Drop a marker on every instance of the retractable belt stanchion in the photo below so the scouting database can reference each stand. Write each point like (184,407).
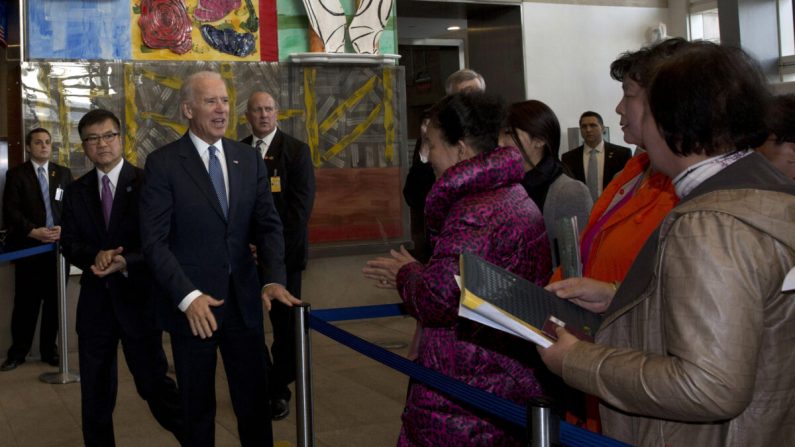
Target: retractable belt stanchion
(303,382)
(543,426)
(63,375)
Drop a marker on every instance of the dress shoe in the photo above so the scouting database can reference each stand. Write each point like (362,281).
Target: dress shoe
(280,408)
(10,364)
(52,360)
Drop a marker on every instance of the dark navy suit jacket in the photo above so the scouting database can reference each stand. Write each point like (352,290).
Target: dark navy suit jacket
(23,206)
(615,158)
(83,235)
(188,243)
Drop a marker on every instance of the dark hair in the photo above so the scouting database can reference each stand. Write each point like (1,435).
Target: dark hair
(709,99)
(29,136)
(97,116)
(539,121)
(593,114)
(780,118)
(641,65)
(474,117)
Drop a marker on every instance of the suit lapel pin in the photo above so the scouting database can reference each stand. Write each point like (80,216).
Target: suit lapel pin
(234,161)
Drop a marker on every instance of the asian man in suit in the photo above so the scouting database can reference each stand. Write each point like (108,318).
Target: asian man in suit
(32,212)
(101,236)
(292,180)
(205,198)
(609,158)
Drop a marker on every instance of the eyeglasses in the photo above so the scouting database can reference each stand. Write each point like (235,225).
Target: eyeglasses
(94,139)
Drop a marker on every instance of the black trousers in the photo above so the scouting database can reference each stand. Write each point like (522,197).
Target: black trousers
(244,355)
(36,288)
(99,378)
(281,369)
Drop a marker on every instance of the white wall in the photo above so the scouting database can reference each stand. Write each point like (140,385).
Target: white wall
(568,50)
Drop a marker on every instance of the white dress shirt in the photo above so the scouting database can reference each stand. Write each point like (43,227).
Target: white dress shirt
(203,149)
(266,140)
(113,176)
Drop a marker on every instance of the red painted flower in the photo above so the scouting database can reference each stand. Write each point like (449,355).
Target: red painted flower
(165,24)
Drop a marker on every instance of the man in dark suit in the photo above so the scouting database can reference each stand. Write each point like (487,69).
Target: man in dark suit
(205,198)
(608,159)
(101,236)
(32,211)
(292,181)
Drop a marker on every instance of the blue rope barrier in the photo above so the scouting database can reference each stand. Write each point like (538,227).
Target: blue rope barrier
(570,435)
(14,255)
(360,312)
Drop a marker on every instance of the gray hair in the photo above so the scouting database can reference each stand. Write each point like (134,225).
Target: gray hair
(187,90)
(461,76)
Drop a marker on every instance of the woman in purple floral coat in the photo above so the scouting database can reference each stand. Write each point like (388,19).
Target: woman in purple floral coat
(477,205)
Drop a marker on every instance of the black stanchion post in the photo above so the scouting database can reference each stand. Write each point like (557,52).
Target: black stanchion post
(543,426)
(63,375)
(303,382)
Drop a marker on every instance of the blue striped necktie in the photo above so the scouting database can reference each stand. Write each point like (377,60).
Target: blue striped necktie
(45,194)
(217,177)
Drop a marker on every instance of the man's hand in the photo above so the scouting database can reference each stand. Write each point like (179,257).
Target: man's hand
(117,264)
(384,270)
(553,356)
(277,292)
(46,235)
(104,258)
(200,316)
(587,293)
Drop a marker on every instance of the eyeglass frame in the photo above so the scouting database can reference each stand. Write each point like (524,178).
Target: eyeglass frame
(106,138)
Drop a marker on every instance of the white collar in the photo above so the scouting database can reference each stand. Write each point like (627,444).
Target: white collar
(202,146)
(599,148)
(113,175)
(36,166)
(696,174)
(267,139)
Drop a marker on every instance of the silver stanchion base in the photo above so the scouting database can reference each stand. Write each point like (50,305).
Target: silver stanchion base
(390,344)
(59,377)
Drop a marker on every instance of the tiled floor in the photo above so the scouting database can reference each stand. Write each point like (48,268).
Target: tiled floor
(357,401)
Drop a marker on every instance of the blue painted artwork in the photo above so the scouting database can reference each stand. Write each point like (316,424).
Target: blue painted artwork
(78,29)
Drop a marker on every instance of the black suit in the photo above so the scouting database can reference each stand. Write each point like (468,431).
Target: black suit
(115,308)
(35,277)
(419,182)
(190,245)
(615,159)
(290,168)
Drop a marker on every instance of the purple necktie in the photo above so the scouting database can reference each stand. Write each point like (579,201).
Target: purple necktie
(107,199)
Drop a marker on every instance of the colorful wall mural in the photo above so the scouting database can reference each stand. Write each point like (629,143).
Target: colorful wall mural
(130,56)
(78,29)
(110,29)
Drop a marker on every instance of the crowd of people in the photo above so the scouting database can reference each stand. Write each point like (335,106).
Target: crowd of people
(134,233)
(684,251)
(684,257)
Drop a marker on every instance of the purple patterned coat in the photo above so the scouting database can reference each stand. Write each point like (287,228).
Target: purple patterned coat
(477,206)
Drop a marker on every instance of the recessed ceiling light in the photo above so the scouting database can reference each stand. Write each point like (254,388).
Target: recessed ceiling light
(453,28)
